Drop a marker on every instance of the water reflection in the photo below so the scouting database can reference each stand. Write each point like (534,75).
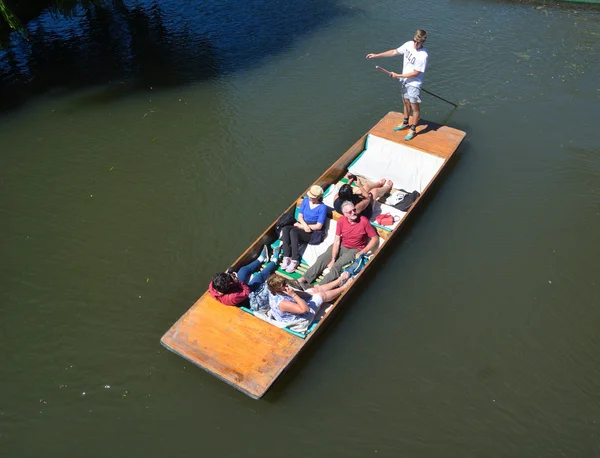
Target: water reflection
(150,43)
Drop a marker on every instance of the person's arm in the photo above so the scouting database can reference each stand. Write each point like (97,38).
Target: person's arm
(302,224)
(315,226)
(371,246)
(335,250)
(390,53)
(412,74)
(298,306)
(366,200)
(321,219)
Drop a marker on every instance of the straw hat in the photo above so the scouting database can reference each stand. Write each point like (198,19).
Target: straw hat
(315,192)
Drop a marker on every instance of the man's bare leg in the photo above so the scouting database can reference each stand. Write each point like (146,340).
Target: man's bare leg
(406,120)
(416,112)
(407,107)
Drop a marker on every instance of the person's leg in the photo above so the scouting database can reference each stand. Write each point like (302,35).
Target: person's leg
(332,290)
(383,190)
(370,186)
(406,109)
(343,278)
(285,246)
(260,277)
(285,241)
(379,188)
(245,272)
(415,103)
(346,256)
(319,266)
(406,103)
(416,112)
(297,236)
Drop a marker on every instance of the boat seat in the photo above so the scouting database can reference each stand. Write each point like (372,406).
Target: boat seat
(312,252)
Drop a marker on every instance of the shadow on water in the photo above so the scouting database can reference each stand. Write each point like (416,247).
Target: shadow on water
(131,47)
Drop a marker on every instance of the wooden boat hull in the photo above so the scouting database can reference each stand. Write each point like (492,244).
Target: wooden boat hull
(250,354)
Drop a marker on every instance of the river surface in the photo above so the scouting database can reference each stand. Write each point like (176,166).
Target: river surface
(145,145)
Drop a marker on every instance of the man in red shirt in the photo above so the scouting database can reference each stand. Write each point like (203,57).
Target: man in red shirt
(354,236)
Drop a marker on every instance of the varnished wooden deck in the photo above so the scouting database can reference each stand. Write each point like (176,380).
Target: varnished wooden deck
(247,352)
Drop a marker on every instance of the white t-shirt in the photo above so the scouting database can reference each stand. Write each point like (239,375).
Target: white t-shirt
(414,59)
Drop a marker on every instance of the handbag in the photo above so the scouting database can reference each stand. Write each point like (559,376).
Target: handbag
(287,219)
(409,199)
(385,219)
(357,265)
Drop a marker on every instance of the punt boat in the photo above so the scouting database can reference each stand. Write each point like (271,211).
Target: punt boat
(246,350)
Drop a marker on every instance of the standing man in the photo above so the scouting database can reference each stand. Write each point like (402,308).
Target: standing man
(354,236)
(415,61)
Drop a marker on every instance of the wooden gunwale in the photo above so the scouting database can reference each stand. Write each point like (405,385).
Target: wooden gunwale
(250,354)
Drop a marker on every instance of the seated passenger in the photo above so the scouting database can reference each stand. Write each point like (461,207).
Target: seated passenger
(233,288)
(291,308)
(365,196)
(354,236)
(308,228)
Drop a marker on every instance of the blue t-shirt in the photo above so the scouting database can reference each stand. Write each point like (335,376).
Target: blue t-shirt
(314,215)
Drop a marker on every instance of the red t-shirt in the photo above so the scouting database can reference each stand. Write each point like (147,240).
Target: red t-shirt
(355,235)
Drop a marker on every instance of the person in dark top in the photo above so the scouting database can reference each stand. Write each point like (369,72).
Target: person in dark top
(309,228)
(364,196)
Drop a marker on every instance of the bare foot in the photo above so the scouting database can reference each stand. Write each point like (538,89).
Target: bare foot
(344,278)
(348,283)
(386,188)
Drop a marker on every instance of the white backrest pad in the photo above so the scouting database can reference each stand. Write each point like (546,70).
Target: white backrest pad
(408,168)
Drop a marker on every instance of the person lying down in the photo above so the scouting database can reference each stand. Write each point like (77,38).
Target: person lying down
(363,195)
(297,310)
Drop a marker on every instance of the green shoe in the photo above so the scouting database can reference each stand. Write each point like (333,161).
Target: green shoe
(410,135)
(401,126)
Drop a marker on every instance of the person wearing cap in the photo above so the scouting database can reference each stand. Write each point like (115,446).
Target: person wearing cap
(308,228)
(415,61)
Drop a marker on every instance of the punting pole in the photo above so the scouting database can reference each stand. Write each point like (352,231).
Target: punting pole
(387,72)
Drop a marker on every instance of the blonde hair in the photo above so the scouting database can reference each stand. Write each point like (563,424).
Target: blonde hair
(420,36)
(276,284)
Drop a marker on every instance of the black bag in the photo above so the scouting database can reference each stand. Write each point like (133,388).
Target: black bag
(287,219)
(407,201)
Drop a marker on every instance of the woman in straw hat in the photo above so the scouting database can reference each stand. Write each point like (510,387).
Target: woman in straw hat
(308,228)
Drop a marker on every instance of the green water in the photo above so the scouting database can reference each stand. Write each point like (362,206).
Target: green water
(477,335)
